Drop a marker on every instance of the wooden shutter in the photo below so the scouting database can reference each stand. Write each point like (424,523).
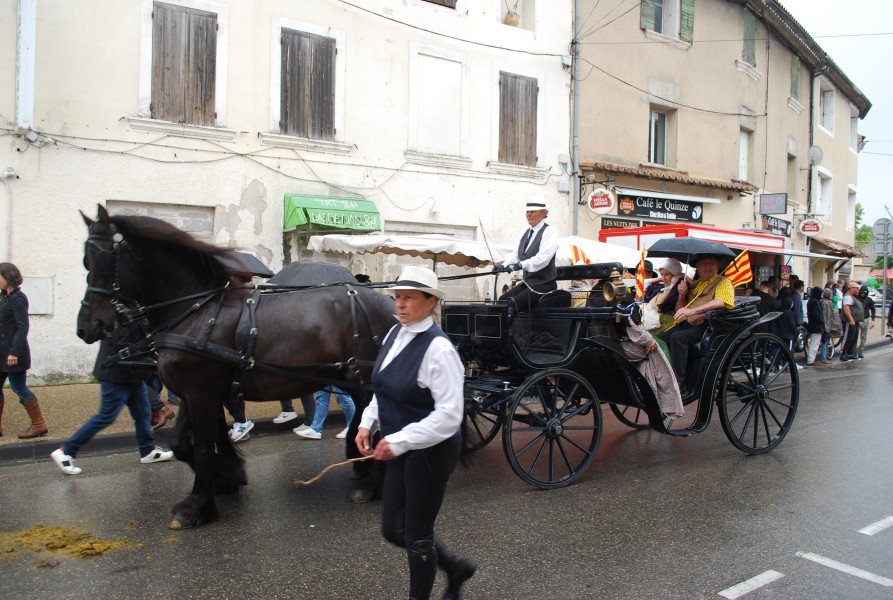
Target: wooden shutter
(517,119)
(184,64)
(646,17)
(307,102)
(795,77)
(687,21)
(447,3)
(749,54)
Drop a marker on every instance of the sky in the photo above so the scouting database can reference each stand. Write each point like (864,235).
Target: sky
(844,28)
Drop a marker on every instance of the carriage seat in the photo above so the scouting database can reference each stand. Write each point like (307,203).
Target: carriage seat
(543,336)
(721,322)
(554,299)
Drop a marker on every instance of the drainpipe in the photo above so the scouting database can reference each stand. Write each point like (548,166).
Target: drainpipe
(575,82)
(808,245)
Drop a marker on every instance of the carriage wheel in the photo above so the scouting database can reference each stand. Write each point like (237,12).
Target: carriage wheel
(631,416)
(759,395)
(484,414)
(554,425)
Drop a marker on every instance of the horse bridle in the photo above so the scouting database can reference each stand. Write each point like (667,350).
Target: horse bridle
(107,261)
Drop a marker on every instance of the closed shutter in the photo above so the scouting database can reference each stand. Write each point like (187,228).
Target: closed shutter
(795,77)
(517,119)
(184,64)
(307,102)
(687,21)
(749,55)
(646,17)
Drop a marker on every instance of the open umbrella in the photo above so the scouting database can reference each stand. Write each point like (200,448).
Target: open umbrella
(685,249)
(437,247)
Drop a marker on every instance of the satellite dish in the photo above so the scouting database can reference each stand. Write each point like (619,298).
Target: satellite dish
(814,154)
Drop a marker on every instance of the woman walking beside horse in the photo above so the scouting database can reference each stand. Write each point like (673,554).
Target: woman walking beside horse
(418,402)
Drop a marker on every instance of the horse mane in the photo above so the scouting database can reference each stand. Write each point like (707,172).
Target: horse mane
(136,228)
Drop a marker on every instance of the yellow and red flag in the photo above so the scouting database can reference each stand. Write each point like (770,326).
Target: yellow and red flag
(739,271)
(640,277)
(579,256)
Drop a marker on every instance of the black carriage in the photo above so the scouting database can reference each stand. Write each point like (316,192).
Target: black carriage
(542,378)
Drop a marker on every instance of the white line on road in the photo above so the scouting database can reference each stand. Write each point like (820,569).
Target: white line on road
(736,591)
(829,562)
(878,526)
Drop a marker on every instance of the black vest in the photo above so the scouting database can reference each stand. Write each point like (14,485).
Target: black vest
(545,275)
(400,399)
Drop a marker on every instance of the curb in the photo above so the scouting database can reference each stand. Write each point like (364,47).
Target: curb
(120,442)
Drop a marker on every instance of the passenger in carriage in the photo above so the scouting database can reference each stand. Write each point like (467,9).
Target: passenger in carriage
(663,293)
(534,256)
(640,348)
(709,291)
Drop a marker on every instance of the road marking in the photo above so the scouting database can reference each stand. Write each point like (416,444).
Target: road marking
(829,562)
(878,526)
(736,591)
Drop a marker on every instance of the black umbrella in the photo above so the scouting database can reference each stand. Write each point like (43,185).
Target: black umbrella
(245,263)
(687,249)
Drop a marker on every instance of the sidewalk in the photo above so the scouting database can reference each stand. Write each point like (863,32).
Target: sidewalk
(66,407)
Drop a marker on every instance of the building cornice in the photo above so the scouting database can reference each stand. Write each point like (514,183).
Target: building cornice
(664,174)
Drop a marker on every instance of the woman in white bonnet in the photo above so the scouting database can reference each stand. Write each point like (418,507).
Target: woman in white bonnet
(663,291)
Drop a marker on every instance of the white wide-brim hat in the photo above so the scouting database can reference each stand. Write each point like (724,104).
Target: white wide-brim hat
(536,202)
(417,278)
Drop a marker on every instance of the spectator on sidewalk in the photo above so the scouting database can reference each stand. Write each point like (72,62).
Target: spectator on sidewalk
(323,398)
(833,328)
(160,414)
(852,316)
(870,314)
(815,324)
(119,386)
(15,354)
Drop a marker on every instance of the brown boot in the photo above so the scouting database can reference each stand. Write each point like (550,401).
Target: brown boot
(38,425)
(161,417)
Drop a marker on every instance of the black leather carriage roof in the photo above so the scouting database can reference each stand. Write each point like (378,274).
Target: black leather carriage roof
(594,271)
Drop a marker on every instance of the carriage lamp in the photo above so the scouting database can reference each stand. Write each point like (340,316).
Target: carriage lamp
(614,289)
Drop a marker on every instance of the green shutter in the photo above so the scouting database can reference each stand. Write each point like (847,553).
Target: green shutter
(749,54)
(795,77)
(687,24)
(646,20)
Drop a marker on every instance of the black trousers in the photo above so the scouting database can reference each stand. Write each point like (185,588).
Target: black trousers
(414,487)
(679,340)
(852,337)
(525,299)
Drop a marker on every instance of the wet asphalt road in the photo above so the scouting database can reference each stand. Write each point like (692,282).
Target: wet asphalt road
(653,517)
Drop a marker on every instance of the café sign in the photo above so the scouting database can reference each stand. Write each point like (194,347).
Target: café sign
(777,226)
(600,201)
(663,209)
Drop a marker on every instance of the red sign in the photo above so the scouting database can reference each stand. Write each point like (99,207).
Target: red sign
(601,201)
(810,227)
(627,205)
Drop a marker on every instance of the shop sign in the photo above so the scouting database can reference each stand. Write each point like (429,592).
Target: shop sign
(785,272)
(601,201)
(810,227)
(615,223)
(773,204)
(777,226)
(662,209)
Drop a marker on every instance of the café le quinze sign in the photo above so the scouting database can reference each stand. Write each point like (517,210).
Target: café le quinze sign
(663,209)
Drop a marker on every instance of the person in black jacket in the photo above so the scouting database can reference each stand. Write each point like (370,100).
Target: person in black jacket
(815,324)
(867,323)
(15,355)
(120,386)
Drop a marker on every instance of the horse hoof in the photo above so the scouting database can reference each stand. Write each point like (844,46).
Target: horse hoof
(175,524)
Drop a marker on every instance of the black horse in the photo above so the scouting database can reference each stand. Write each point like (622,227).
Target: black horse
(216,337)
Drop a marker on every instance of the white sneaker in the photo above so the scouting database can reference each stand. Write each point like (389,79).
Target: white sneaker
(240,430)
(301,428)
(285,417)
(310,434)
(65,462)
(157,455)
(342,434)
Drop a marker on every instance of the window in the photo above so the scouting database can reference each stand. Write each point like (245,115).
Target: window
(307,95)
(517,119)
(184,65)
(851,208)
(749,54)
(438,101)
(824,190)
(795,77)
(745,138)
(792,172)
(854,128)
(657,138)
(671,18)
(826,106)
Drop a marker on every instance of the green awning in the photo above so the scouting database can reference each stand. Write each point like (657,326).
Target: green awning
(330,212)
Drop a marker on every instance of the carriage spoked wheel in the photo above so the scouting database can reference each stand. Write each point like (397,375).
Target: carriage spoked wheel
(631,416)
(553,428)
(484,414)
(759,395)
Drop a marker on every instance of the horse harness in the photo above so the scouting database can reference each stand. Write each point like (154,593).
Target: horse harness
(241,355)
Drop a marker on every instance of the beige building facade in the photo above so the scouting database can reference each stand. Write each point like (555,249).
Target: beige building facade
(714,113)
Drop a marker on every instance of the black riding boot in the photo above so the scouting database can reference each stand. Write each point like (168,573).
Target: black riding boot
(457,568)
(422,569)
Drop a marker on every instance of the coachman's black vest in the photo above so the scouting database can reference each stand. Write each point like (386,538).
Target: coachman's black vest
(545,275)
(400,399)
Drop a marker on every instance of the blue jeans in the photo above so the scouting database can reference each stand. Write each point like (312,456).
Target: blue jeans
(322,406)
(114,396)
(17,385)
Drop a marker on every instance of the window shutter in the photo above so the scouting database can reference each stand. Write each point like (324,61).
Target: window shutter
(200,100)
(749,54)
(517,119)
(687,21)
(646,18)
(795,77)
(307,103)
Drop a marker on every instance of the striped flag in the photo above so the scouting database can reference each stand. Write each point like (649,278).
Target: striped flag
(640,277)
(738,271)
(579,256)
